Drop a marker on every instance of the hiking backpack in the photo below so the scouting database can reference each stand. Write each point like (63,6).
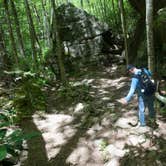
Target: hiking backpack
(148,88)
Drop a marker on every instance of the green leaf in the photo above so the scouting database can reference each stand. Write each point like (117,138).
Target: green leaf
(3,152)
(14,136)
(31,135)
(2,133)
(4,124)
(3,117)
(11,150)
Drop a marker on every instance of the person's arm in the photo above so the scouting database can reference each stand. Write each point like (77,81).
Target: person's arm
(148,72)
(132,89)
(133,86)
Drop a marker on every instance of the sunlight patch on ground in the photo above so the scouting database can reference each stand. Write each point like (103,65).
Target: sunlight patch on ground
(86,153)
(106,98)
(121,134)
(122,123)
(113,151)
(118,83)
(79,155)
(84,82)
(113,162)
(106,121)
(135,139)
(102,93)
(56,131)
(111,70)
(78,108)
(162,129)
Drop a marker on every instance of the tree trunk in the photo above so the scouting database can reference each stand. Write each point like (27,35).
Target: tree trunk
(38,19)
(11,31)
(139,6)
(105,9)
(149,34)
(46,26)
(101,8)
(17,24)
(32,32)
(36,13)
(121,6)
(3,52)
(59,46)
(82,4)
(137,37)
(115,14)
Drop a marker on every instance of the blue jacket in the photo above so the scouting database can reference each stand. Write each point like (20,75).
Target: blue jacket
(135,85)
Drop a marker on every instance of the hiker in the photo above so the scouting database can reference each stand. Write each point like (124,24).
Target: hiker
(143,100)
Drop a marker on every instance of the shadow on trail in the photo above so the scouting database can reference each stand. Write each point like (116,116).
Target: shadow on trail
(68,148)
(37,155)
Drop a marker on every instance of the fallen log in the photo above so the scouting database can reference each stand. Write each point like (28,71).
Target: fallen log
(160,98)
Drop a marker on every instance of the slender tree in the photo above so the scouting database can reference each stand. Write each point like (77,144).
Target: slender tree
(135,41)
(82,3)
(38,19)
(59,46)
(46,25)
(149,34)
(17,24)
(105,9)
(13,44)
(36,13)
(121,6)
(33,36)
(3,52)
(115,14)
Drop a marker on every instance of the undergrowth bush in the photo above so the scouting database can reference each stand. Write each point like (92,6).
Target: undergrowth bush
(163,110)
(28,96)
(11,138)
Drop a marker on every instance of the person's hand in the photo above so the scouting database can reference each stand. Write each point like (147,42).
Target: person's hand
(122,101)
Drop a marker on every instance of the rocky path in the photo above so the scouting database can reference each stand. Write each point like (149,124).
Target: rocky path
(101,137)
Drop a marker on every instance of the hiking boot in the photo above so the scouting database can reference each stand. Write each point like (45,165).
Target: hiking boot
(140,125)
(141,128)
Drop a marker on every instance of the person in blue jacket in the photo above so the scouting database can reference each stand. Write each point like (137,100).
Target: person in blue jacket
(143,100)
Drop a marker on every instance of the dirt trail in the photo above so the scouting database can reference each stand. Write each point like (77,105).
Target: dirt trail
(104,137)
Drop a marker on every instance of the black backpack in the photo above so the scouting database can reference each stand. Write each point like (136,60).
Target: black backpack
(148,88)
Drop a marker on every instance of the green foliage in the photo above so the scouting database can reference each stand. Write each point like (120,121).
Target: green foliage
(106,11)
(161,17)
(163,111)
(28,94)
(11,139)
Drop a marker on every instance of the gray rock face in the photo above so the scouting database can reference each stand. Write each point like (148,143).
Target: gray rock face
(85,48)
(80,31)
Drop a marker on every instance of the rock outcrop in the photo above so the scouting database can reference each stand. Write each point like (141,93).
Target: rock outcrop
(80,32)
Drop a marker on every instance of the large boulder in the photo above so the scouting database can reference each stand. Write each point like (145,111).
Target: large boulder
(80,32)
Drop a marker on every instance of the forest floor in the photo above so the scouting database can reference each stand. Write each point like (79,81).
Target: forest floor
(98,136)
